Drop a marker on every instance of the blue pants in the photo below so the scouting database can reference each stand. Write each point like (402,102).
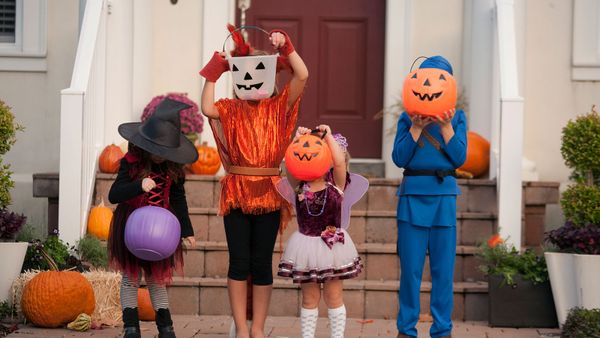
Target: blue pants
(413,243)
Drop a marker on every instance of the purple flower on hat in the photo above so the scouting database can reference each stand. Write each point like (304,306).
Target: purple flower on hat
(341,141)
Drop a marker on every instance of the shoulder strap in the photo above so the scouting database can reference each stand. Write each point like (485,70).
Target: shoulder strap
(433,141)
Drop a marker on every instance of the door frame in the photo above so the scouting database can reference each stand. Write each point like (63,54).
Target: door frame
(397,47)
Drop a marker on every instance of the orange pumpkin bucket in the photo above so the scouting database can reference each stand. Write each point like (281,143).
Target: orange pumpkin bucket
(308,157)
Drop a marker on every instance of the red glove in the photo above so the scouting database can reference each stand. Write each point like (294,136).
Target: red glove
(215,67)
(288,47)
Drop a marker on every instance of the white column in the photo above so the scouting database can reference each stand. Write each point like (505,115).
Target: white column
(142,57)
(216,14)
(119,68)
(510,126)
(396,64)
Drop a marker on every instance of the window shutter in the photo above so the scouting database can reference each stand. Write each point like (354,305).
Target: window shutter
(8,10)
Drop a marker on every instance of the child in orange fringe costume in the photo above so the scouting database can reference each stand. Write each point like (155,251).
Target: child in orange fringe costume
(252,136)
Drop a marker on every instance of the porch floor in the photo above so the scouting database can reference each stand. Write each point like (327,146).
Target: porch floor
(218,327)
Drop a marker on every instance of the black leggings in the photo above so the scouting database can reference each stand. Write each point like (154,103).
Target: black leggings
(251,239)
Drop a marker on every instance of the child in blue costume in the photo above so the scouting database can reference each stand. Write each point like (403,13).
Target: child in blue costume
(429,149)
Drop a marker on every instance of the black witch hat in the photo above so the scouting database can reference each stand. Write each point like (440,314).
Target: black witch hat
(161,134)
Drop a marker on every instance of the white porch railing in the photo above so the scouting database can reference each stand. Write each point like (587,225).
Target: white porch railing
(82,123)
(507,124)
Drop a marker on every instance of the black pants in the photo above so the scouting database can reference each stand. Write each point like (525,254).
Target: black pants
(251,239)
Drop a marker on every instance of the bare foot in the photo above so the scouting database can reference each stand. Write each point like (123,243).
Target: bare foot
(258,333)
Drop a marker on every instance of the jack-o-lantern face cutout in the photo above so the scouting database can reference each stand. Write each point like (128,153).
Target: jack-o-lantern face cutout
(429,92)
(253,76)
(308,158)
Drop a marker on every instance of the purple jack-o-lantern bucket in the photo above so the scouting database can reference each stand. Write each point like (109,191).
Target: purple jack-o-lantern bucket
(152,233)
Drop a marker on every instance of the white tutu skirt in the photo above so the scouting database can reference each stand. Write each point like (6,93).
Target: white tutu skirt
(309,259)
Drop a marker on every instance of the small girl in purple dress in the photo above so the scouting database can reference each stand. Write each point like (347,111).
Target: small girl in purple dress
(321,251)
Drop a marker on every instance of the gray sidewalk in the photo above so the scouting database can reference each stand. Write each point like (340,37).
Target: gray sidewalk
(218,327)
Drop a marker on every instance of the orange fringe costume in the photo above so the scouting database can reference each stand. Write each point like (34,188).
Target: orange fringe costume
(254,135)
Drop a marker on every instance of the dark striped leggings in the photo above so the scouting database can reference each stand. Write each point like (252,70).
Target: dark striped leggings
(129,293)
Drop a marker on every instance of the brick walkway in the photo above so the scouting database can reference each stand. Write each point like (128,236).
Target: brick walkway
(218,327)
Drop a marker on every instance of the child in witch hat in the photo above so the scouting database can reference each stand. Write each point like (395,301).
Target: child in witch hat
(151,173)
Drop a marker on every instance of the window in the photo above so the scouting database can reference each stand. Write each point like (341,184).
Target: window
(8,13)
(23,25)
(586,40)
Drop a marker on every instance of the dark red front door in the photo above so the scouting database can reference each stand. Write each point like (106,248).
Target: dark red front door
(342,43)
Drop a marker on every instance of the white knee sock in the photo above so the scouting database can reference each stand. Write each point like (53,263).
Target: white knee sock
(308,322)
(337,321)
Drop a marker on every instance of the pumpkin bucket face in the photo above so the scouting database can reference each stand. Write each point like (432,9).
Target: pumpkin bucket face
(308,158)
(429,92)
(253,76)
(208,162)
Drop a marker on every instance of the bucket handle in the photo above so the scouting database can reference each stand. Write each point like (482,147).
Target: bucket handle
(240,28)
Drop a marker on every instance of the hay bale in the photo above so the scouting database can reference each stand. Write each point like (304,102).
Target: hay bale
(106,286)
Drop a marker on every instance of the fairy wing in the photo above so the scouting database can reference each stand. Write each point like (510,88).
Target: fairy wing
(354,191)
(286,191)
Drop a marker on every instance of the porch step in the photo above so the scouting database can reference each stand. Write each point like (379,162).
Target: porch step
(366,226)
(381,263)
(363,298)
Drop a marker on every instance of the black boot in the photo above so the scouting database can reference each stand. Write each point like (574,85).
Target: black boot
(164,324)
(131,323)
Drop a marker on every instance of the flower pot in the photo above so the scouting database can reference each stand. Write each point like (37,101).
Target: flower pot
(561,269)
(523,304)
(587,277)
(12,255)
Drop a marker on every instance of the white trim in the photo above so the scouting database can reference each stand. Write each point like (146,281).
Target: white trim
(586,40)
(23,64)
(397,48)
(30,38)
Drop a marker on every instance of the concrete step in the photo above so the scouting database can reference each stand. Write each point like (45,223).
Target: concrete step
(366,226)
(363,298)
(203,192)
(381,263)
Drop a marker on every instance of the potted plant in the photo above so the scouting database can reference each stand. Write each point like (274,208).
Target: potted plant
(573,269)
(582,323)
(11,251)
(518,287)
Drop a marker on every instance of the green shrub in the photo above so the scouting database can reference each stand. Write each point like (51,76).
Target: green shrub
(92,251)
(581,143)
(8,128)
(505,260)
(581,204)
(27,234)
(582,323)
(55,248)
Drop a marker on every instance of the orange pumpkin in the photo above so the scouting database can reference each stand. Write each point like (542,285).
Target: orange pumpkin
(478,155)
(145,309)
(110,159)
(55,298)
(429,92)
(99,221)
(208,162)
(308,157)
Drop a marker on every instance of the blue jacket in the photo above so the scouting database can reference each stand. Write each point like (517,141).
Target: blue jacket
(408,154)
(424,200)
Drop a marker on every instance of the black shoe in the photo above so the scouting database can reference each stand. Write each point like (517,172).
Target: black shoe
(131,332)
(166,332)
(164,323)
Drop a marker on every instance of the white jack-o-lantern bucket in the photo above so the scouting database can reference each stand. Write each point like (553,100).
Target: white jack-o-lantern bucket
(253,75)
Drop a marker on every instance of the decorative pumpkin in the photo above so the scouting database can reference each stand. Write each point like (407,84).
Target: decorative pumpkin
(55,298)
(208,162)
(110,158)
(429,92)
(83,322)
(145,309)
(478,155)
(99,221)
(152,233)
(308,157)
